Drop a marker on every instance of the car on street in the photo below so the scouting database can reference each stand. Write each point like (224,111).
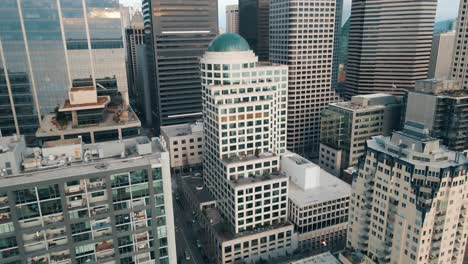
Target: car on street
(187,255)
(199,244)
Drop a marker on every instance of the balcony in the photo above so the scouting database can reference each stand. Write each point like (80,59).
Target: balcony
(100,210)
(57,242)
(104,246)
(30,222)
(53,219)
(105,256)
(54,233)
(76,189)
(100,185)
(140,225)
(102,225)
(35,247)
(3,201)
(39,260)
(62,257)
(78,203)
(5,217)
(97,199)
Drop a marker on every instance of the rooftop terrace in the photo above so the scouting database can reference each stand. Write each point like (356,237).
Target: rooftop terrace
(62,159)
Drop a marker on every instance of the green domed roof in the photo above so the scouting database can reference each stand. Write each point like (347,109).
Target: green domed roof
(228,42)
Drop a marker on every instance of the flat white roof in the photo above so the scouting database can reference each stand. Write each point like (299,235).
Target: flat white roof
(330,188)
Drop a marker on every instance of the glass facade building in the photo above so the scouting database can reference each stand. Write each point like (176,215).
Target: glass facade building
(85,213)
(47,44)
(254,17)
(177,33)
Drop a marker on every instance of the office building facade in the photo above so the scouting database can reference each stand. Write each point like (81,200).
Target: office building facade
(79,39)
(185,145)
(301,36)
(254,17)
(346,126)
(77,206)
(318,206)
(441,105)
(389,46)
(177,35)
(232,18)
(408,203)
(244,110)
(443,45)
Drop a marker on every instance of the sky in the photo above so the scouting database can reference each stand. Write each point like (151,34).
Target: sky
(446,9)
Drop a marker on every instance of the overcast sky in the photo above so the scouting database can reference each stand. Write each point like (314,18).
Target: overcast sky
(446,9)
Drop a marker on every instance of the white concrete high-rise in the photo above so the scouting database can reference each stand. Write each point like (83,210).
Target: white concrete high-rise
(301,36)
(232,18)
(409,200)
(459,69)
(389,45)
(244,112)
(441,55)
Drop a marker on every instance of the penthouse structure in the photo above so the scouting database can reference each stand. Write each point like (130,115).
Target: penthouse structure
(93,117)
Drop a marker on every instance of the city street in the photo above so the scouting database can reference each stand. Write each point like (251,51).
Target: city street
(186,237)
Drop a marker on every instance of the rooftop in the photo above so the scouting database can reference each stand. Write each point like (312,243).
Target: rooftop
(415,146)
(182,129)
(112,118)
(330,188)
(368,102)
(198,188)
(221,227)
(324,258)
(8,144)
(94,158)
(102,102)
(82,88)
(228,42)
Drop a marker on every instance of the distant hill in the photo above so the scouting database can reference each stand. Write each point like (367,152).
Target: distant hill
(445,25)
(344,43)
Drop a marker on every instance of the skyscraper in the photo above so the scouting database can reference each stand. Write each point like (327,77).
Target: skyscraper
(389,45)
(408,203)
(254,16)
(460,55)
(49,46)
(178,33)
(302,34)
(66,205)
(441,55)
(232,18)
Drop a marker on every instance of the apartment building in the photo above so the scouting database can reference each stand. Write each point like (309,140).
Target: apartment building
(408,203)
(318,205)
(80,203)
(346,126)
(185,145)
